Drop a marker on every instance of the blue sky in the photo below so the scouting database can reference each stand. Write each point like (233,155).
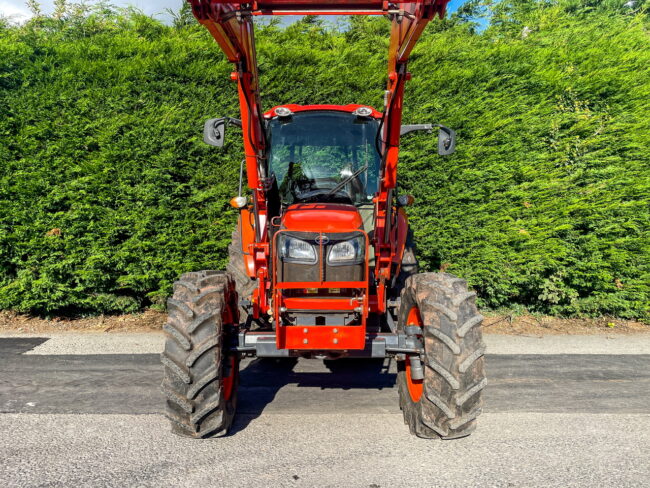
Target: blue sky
(19,11)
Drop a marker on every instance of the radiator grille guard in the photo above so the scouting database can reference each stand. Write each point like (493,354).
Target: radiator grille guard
(320,305)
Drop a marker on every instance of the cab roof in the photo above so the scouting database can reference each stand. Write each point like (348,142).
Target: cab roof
(335,108)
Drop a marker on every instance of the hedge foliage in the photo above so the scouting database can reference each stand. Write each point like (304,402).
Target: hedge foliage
(107,193)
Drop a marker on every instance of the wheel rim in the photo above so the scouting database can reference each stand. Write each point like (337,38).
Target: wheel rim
(228,382)
(415,387)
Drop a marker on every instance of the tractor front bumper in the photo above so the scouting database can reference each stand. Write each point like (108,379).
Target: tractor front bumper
(377,345)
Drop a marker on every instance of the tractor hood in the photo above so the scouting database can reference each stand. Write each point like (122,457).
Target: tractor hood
(322,217)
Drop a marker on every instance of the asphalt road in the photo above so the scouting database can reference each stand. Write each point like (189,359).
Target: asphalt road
(568,419)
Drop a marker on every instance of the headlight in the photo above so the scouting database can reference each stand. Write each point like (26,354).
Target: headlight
(297,250)
(347,252)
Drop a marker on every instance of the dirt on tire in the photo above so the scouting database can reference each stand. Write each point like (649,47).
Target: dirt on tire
(200,377)
(237,269)
(448,399)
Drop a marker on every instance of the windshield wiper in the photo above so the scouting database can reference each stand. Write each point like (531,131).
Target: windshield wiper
(347,180)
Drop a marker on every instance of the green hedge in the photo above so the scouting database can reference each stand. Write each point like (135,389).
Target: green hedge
(107,193)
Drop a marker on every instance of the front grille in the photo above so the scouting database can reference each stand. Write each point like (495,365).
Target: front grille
(294,272)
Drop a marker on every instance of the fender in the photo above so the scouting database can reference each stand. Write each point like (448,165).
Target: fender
(399,235)
(246,226)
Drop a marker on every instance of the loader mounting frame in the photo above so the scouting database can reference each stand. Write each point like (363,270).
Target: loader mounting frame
(231,25)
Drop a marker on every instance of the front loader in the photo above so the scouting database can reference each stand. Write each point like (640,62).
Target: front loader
(322,262)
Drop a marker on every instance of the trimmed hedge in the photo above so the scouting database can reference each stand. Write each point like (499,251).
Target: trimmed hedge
(107,193)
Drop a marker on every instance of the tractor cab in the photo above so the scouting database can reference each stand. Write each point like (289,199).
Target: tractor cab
(321,155)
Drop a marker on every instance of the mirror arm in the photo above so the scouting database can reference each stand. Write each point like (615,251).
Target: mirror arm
(446,136)
(407,129)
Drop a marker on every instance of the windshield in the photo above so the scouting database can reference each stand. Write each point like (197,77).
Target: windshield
(324,156)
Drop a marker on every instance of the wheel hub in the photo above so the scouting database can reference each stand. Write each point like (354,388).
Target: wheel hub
(415,387)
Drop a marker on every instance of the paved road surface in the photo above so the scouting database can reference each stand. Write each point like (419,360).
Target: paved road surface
(580,417)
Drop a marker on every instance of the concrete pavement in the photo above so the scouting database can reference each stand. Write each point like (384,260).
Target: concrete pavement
(68,418)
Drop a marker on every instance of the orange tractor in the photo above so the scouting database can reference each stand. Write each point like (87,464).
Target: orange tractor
(322,262)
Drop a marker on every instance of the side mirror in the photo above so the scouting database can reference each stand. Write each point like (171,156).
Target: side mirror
(214,131)
(405,200)
(446,141)
(446,136)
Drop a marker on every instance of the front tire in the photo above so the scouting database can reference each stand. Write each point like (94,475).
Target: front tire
(448,400)
(201,375)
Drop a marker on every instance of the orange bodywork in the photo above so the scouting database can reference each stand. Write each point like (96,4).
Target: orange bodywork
(246,226)
(415,387)
(322,337)
(401,230)
(322,217)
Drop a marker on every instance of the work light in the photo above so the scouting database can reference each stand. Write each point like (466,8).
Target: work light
(283,112)
(363,112)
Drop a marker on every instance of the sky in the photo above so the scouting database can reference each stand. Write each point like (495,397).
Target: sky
(17,9)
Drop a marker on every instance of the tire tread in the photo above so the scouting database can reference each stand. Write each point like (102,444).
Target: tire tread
(194,356)
(454,357)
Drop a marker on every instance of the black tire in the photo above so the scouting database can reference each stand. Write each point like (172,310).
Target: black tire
(409,264)
(454,373)
(409,260)
(201,378)
(237,269)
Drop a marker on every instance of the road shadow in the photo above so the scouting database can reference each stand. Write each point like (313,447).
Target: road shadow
(19,345)
(262,378)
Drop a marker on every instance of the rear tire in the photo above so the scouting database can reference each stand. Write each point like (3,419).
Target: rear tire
(237,268)
(201,376)
(409,264)
(448,400)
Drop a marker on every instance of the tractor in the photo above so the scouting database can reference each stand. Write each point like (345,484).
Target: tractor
(322,263)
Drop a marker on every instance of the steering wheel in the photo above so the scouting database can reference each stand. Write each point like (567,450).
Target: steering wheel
(304,189)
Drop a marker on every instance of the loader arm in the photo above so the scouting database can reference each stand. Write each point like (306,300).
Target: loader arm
(231,24)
